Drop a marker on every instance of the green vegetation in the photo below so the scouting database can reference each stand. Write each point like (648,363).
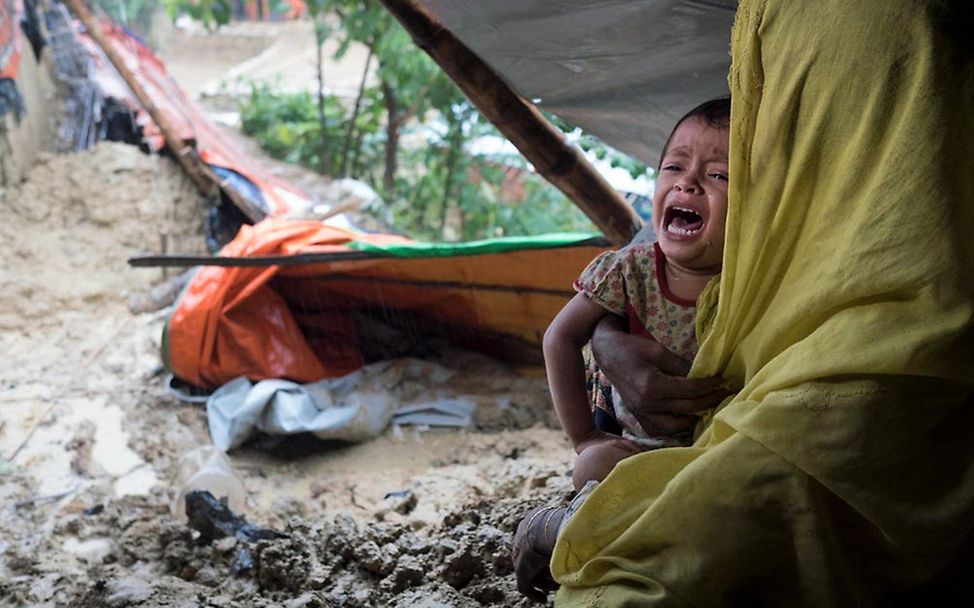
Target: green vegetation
(409,133)
(441,193)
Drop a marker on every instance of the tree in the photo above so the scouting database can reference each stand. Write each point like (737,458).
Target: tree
(318,9)
(435,189)
(402,71)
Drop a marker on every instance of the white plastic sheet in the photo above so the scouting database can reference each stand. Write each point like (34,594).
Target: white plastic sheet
(353,408)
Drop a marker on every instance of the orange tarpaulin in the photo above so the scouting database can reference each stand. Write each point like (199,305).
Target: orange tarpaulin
(277,197)
(10,37)
(244,320)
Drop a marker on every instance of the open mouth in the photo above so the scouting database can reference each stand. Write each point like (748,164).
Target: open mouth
(682,221)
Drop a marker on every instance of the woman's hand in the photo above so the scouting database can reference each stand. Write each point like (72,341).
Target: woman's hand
(652,380)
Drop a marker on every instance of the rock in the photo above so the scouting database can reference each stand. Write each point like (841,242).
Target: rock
(118,593)
(409,572)
(91,550)
(373,559)
(282,564)
(460,567)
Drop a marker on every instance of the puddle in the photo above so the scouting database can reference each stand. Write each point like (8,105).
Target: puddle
(47,455)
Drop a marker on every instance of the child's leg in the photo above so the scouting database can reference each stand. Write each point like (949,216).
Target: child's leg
(595,462)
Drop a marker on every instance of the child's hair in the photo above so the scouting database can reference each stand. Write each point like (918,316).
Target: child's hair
(716,112)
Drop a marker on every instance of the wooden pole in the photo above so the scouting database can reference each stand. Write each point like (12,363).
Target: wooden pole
(198,171)
(538,140)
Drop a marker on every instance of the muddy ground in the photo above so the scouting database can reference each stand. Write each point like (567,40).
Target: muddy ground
(90,437)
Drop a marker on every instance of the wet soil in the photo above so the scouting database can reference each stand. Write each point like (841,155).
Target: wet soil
(90,437)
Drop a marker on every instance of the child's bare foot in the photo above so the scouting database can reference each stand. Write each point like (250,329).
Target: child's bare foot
(534,543)
(596,459)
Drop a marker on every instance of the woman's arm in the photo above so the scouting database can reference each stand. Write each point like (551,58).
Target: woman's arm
(651,379)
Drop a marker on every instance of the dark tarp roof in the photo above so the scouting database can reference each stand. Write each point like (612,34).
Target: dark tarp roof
(624,70)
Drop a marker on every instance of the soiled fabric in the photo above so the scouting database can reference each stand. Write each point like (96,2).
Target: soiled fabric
(842,472)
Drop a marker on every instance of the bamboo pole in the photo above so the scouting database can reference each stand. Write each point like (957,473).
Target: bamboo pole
(198,171)
(538,140)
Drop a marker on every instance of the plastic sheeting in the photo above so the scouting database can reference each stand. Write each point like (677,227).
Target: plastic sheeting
(352,408)
(10,37)
(268,192)
(10,99)
(355,407)
(624,70)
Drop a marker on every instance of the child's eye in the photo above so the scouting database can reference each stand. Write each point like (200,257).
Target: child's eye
(719,176)
(671,167)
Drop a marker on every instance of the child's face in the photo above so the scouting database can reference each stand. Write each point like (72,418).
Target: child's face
(690,203)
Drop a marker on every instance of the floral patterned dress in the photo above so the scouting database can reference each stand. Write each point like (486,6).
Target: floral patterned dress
(631,283)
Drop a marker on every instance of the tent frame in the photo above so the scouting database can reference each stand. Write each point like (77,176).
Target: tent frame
(562,164)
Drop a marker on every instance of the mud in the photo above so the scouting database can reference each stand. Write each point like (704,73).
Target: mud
(89,437)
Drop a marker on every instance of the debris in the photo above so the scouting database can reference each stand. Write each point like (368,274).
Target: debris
(442,412)
(213,519)
(354,407)
(48,498)
(160,296)
(207,468)
(402,502)
(30,433)
(53,322)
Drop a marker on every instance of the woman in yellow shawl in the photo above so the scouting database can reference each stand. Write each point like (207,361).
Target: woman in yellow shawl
(842,471)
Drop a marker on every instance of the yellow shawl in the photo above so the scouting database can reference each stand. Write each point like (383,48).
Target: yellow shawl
(842,473)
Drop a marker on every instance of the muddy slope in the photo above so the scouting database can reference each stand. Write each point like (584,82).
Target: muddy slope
(90,438)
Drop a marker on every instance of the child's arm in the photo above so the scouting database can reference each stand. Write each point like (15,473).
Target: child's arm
(563,343)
